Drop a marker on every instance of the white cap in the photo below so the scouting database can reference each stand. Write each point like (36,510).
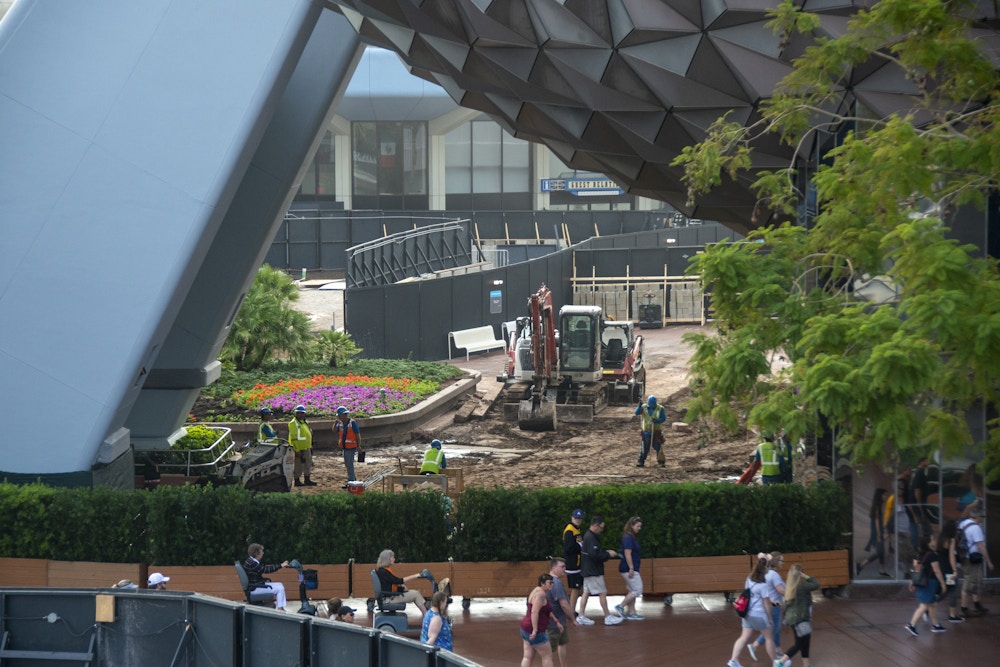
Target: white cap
(156,579)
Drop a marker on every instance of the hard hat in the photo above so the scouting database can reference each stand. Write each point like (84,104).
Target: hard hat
(264,411)
(342,410)
(651,401)
(767,434)
(300,408)
(436,443)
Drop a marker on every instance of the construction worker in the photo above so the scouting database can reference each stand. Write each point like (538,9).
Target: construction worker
(653,416)
(266,432)
(348,440)
(769,455)
(301,438)
(434,461)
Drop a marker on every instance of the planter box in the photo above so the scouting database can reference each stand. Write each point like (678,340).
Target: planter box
(661,576)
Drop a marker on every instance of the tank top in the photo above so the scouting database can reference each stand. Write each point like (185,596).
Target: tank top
(543,617)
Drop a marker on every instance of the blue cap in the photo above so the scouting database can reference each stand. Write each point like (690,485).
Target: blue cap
(342,410)
(300,408)
(652,401)
(577,514)
(436,444)
(264,411)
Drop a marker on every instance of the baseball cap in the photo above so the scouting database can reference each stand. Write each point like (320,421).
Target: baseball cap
(342,410)
(264,411)
(157,578)
(345,610)
(578,514)
(126,584)
(300,408)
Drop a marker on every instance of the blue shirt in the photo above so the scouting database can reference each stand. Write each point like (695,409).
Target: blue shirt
(629,542)
(443,639)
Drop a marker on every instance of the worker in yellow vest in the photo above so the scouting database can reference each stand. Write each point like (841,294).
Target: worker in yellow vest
(301,438)
(434,461)
(769,455)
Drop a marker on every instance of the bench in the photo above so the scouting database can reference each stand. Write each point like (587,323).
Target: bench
(407,481)
(477,339)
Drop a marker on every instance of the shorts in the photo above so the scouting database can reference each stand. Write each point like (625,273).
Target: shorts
(633,585)
(574,580)
(595,585)
(758,623)
(973,584)
(540,638)
(557,638)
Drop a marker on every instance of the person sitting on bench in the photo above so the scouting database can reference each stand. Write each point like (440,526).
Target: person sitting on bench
(256,571)
(392,585)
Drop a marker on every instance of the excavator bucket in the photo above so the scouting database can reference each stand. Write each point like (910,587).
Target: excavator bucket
(536,415)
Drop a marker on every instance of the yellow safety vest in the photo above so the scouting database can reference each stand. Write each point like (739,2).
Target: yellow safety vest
(300,435)
(432,461)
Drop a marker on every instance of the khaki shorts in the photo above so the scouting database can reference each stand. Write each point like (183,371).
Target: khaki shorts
(594,585)
(557,638)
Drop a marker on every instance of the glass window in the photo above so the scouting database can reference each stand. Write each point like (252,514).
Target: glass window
(486,155)
(319,179)
(365,163)
(516,164)
(458,160)
(415,159)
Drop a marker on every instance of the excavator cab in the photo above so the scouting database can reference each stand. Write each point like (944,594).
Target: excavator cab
(580,348)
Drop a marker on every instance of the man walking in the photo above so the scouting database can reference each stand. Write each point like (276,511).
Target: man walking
(301,438)
(348,439)
(653,416)
(971,531)
(561,609)
(571,556)
(593,558)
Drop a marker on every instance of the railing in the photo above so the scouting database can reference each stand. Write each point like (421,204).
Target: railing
(194,463)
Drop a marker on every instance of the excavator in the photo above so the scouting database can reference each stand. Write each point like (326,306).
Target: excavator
(572,372)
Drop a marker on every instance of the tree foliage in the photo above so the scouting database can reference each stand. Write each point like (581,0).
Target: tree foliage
(801,341)
(268,327)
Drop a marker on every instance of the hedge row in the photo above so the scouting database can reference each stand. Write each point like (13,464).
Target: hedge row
(196,525)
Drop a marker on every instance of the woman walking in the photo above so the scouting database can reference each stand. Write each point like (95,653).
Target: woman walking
(628,567)
(930,580)
(876,536)
(535,623)
(776,592)
(798,612)
(436,629)
(758,618)
(949,568)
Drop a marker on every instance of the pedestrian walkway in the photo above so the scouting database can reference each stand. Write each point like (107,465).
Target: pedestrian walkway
(699,631)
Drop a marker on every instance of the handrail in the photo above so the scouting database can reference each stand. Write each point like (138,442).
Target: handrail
(219,451)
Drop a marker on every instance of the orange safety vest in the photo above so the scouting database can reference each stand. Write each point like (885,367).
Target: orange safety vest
(351,441)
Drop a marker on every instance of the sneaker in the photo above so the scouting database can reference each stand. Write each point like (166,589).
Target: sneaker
(884,573)
(752,648)
(583,620)
(938,628)
(620,611)
(956,619)
(612,619)
(733,663)
(912,630)
(640,464)
(635,617)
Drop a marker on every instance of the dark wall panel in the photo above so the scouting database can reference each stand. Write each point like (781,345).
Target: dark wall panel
(468,296)
(678,259)
(402,308)
(364,311)
(647,261)
(432,309)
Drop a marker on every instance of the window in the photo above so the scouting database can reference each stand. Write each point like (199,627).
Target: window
(389,165)
(487,168)
(319,181)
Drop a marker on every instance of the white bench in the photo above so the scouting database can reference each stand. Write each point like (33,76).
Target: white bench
(474,340)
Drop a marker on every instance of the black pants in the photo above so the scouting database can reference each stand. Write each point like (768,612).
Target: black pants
(801,644)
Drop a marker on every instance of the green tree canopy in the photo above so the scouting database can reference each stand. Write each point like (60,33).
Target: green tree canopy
(267,326)
(871,317)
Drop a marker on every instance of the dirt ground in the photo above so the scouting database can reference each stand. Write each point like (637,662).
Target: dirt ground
(494,452)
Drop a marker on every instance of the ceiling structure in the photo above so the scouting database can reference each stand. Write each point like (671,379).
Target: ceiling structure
(619,86)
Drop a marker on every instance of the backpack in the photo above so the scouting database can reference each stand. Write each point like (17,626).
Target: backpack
(961,541)
(742,603)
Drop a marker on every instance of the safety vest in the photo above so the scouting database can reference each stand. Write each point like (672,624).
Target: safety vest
(769,462)
(432,461)
(266,432)
(351,441)
(300,435)
(647,418)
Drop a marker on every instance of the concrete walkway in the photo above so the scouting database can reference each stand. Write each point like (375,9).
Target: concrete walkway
(699,630)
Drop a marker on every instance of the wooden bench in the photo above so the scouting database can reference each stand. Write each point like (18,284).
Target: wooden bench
(474,340)
(456,484)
